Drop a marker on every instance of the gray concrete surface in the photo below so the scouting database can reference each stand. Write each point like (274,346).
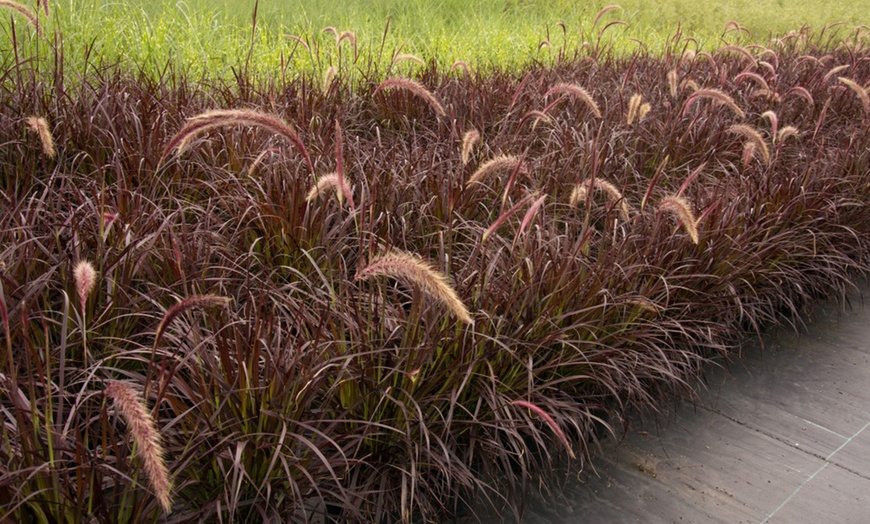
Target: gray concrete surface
(781,437)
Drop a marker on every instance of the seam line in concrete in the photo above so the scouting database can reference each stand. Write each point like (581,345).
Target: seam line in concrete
(826,464)
(824,428)
(793,493)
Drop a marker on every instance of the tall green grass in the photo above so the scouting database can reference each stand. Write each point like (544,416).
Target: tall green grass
(216,37)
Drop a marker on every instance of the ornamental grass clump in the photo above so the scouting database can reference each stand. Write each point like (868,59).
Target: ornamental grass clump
(347,382)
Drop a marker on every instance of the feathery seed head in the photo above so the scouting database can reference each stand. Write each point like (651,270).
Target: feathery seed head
(644,110)
(329,78)
(407,57)
(771,117)
(499,163)
(681,208)
(578,195)
(469,139)
(749,148)
(414,87)
(633,108)
(861,92)
(672,82)
(459,64)
(39,126)
(718,97)
(787,132)
(413,271)
(144,433)
(834,71)
(578,92)
(25,12)
(209,120)
(85,278)
(754,136)
(330,182)
(581,192)
(191,302)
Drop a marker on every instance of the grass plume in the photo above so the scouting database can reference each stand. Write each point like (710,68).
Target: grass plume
(673,83)
(681,208)
(24,11)
(580,193)
(144,433)
(499,163)
(191,302)
(633,107)
(407,57)
(209,120)
(861,92)
(754,136)
(414,87)
(411,270)
(85,278)
(718,97)
(39,125)
(469,139)
(578,92)
(325,184)
(787,132)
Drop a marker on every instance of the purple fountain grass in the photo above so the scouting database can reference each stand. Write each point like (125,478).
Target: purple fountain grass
(413,271)
(580,192)
(24,11)
(146,438)
(191,302)
(85,278)
(681,208)
(329,183)
(494,165)
(469,139)
(407,57)
(39,125)
(549,421)
(578,92)
(754,136)
(209,120)
(414,87)
(860,92)
(718,97)
(786,133)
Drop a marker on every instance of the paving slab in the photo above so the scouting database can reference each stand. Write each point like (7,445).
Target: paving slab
(781,436)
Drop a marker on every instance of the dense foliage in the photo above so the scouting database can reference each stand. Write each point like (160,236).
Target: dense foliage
(181,286)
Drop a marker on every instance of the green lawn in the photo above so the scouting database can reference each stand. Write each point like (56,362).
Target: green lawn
(215,35)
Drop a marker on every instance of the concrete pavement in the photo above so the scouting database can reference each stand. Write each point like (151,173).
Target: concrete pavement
(781,437)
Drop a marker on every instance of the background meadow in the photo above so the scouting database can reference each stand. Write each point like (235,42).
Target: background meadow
(213,37)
